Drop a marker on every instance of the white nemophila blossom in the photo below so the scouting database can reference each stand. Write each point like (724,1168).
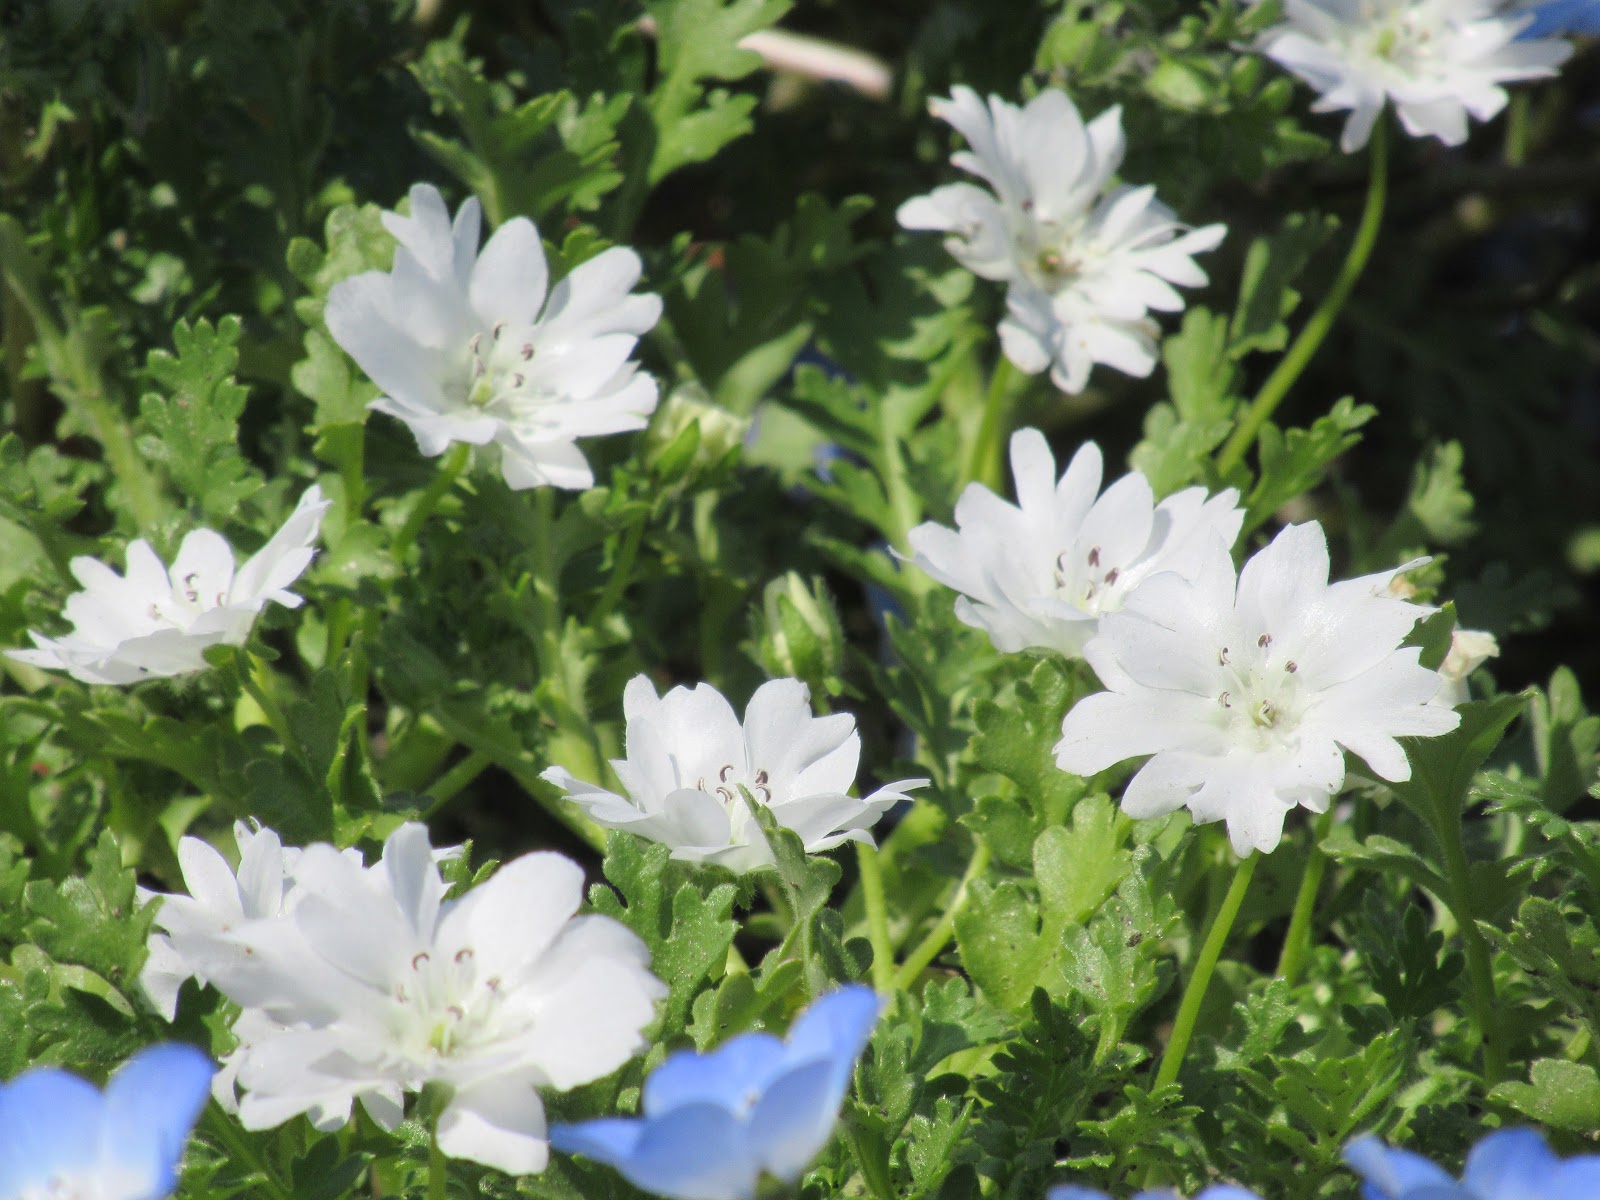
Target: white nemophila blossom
(1437,60)
(689,757)
(1085,260)
(157,621)
(1041,573)
(478,348)
(1469,650)
(1248,689)
(370,984)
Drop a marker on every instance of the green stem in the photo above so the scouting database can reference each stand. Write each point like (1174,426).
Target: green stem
(1517,127)
(1317,328)
(621,575)
(939,936)
(1297,941)
(222,1127)
(1195,991)
(877,918)
(1480,974)
(444,789)
(983,465)
(436,1162)
(454,463)
(256,678)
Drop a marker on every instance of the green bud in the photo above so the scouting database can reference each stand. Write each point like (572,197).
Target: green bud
(799,635)
(691,436)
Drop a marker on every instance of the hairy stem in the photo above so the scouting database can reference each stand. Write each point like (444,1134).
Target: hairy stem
(1316,329)
(448,785)
(454,463)
(983,465)
(1297,941)
(1194,993)
(939,936)
(877,918)
(1480,974)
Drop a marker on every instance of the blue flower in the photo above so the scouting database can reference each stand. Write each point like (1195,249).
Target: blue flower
(1510,1164)
(60,1136)
(714,1122)
(1562,16)
(1220,1191)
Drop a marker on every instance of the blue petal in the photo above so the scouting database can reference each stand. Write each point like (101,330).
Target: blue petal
(697,1152)
(733,1076)
(1226,1191)
(1071,1191)
(1562,16)
(1390,1174)
(837,1027)
(1577,1179)
(50,1122)
(794,1119)
(1510,1164)
(609,1140)
(151,1105)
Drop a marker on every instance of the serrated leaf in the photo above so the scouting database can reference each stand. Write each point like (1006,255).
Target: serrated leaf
(1295,461)
(1560,1093)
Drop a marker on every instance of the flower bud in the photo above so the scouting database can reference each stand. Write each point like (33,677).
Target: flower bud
(691,436)
(798,633)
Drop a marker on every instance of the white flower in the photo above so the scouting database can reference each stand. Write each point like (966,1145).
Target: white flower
(372,985)
(1245,688)
(1039,574)
(688,758)
(1437,60)
(1469,650)
(154,622)
(1085,260)
(477,348)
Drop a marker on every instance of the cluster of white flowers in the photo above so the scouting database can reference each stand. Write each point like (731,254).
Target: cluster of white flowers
(366,983)
(1245,688)
(1084,261)
(1438,61)
(693,770)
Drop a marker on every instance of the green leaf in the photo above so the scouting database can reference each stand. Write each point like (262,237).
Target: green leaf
(1179,437)
(192,430)
(531,158)
(687,929)
(1442,767)
(1562,1094)
(93,920)
(698,41)
(1266,294)
(1295,461)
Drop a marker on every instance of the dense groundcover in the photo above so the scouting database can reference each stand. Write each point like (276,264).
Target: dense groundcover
(927,598)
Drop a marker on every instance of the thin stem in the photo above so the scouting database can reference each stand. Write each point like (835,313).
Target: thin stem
(1317,328)
(436,1162)
(445,788)
(877,918)
(454,463)
(1480,974)
(621,575)
(256,678)
(939,936)
(1195,991)
(1517,126)
(1297,941)
(983,465)
(221,1126)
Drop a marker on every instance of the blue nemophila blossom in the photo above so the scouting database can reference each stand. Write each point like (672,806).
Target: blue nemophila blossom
(1562,16)
(1509,1164)
(61,1138)
(1222,1191)
(713,1123)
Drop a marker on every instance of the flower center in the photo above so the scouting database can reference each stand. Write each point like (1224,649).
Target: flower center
(103,1184)
(1401,42)
(1090,587)
(186,601)
(1260,700)
(503,376)
(443,1007)
(725,787)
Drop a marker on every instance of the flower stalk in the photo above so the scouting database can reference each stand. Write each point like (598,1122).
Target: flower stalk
(944,929)
(1194,993)
(1311,337)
